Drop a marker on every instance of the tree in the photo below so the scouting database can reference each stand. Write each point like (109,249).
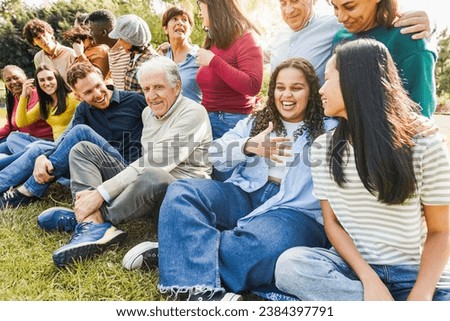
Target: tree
(443,66)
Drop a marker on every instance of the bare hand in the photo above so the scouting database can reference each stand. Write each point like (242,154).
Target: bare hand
(423,126)
(415,22)
(376,291)
(78,47)
(27,88)
(204,57)
(268,147)
(87,203)
(162,48)
(43,169)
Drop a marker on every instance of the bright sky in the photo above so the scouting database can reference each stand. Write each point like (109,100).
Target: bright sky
(433,7)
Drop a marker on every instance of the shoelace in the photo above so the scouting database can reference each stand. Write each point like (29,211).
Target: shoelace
(9,194)
(80,229)
(66,223)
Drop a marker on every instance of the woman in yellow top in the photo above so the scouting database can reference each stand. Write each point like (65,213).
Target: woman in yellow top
(56,101)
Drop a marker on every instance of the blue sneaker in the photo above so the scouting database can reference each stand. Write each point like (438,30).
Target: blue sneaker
(57,219)
(13,198)
(88,240)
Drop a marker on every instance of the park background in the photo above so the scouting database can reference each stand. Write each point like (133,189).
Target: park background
(26,268)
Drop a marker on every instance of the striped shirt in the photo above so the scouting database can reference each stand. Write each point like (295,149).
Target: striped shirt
(118,60)
(385,234)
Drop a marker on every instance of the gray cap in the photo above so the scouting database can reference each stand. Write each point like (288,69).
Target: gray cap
(132,29)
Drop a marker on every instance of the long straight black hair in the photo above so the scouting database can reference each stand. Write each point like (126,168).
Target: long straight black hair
(378,112)
(61,92)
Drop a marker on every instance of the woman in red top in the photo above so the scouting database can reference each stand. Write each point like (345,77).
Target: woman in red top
(14,77)
(231,64)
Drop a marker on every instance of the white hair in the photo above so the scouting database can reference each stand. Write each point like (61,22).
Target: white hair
(160,63)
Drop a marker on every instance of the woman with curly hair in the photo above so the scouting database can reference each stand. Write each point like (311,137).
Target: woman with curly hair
(221,237)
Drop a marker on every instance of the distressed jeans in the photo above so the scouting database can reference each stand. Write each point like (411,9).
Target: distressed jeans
(201,248)
(322,275)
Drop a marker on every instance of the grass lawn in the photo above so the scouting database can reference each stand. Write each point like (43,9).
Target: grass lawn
(27,271)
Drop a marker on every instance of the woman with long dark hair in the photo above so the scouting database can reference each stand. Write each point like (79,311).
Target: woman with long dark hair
(384,193)
(56,101)
(216,237)
(231,64)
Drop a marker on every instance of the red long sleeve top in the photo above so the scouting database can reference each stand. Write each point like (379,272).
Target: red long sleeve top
(233,78)
(38,129)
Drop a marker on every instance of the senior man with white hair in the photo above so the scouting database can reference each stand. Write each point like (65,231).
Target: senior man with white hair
(175,140)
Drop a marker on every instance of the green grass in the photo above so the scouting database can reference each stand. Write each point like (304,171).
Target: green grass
(27,271)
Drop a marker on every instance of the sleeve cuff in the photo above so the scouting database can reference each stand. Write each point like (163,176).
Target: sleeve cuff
(101,189)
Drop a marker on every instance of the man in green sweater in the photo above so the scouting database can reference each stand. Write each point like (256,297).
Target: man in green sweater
(175,140)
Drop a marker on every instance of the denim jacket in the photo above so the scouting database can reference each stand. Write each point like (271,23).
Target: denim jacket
(251,172)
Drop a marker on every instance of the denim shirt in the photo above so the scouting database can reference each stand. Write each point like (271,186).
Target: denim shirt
(188,72)
(251,172)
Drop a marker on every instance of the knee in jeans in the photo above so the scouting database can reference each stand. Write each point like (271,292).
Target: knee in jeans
(80,130)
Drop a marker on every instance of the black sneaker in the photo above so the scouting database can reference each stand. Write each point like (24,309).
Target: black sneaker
(218,296)
(13,198)
(142,256)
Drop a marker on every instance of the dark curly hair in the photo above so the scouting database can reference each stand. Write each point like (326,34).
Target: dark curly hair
(313,121)
(35,28)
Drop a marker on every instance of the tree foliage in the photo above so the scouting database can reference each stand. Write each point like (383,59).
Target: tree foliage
(443,66)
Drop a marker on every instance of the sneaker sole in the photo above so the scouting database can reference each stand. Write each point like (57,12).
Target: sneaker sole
(84,251)
(231,297)
(54,209)
(134,259)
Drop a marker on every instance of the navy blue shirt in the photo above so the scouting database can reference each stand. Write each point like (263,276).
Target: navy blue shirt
(120,124)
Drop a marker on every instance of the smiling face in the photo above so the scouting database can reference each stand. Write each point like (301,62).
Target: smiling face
(296,13)
(92,89)
(291,94)
(47,82)
(332,100)
(159,93)
(14,77)
(178,28)
(356,15)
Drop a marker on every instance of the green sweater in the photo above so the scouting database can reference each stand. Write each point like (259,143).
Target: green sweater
(415,60)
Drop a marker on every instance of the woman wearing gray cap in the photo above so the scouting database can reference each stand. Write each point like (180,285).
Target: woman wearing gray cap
(134,36)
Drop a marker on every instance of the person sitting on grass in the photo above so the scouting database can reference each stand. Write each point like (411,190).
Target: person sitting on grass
(384,193)
(107,192)
(106,117)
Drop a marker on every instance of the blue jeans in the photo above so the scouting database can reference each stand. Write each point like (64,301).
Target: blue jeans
(202,249)
(60,157)
(21,170)
(221,123)
(16,144)
(322,275)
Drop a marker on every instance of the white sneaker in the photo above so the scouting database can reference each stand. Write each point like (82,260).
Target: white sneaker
(143,255)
